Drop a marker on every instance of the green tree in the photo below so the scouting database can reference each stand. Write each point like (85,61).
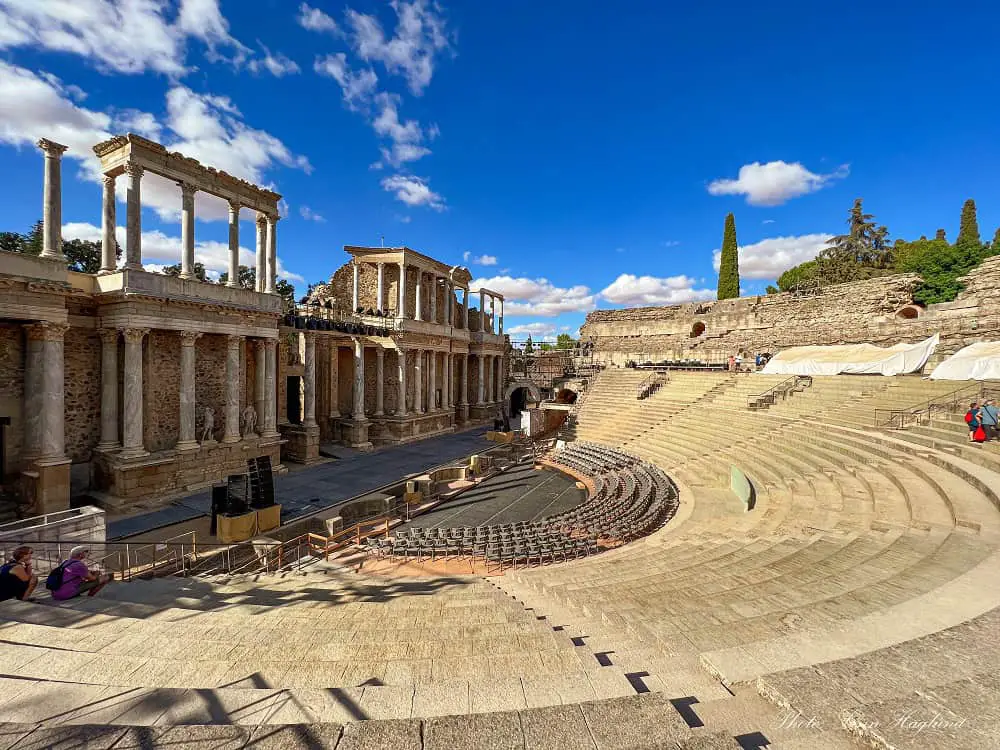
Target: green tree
(939,264)
(772,289)
(968,229)
(801,276)
(729,264)
(83,256)
(995,245)
(529,347)
(32,241)
(175,270)
(248,280)
(11,242)
(860,254)
(939,236)
(565,341)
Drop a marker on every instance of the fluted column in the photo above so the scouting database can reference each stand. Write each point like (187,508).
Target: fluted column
(434,298)
(132,442)
(309,381)
(493,314)
(334,411)
(380,287)
(232,433)
(500,327)
(448,300)
(482,371)
(186,439)
(33,392)
(356,268)
(234,244)
(379,380)
(488,386)
(44,374)
(52,203)
(450,380)
(432,400)
(465,309)
(109,245)
(482,311)
(401,374)
(187,230)
(418,381)
(260,381)
(418,313)
(261,266)
(109,390)
(272,254)
(463,396)
(359,380)
(133,217)
(270,391)
(402,291)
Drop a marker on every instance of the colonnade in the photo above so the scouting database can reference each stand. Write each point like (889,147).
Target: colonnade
(44,395)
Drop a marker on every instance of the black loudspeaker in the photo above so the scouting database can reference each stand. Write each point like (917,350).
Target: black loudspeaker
(261,479)
(220,502)
(237,500)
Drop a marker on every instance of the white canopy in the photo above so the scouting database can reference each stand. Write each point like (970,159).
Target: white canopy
(975,362)
(852,359)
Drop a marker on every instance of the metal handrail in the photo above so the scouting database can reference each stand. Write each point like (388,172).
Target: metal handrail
(900,419)
(644,389)
(783,388)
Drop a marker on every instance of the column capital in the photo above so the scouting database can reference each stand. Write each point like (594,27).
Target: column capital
(261,220)
(109,335)
(234,339)
(46,331)
(134,170)
(134,335)
(187,189)
(52,149)
(260,344)
(379,352)
(109,180)
(235,206)
(272,219)
(188,338)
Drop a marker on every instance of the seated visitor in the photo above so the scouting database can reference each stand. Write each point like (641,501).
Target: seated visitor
(989,417)
(76,577)
(17,581)
(973,418)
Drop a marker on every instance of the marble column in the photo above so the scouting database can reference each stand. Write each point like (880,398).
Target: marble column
(493,314)
(418,312)
(259,381)
(52,203)
(463,395)
(500,327)
(482,374)
(109,390)
(498,379)
(334,396)
(33,392)
(488,385)
(465,309)
(356,268)
(432,391)
(359,381)
(309,381)
(449,298)
(402,291)
(270,391)
(448,382)
(379,380)
(482,311)
(186,439)
(132,443)
(187,230)
(261,265)
(133,217)
(272,254)
(109,244)
(380,288)
(234,244)
(434,298)
(401,374)
(44,371)
(418,381)
(232,433)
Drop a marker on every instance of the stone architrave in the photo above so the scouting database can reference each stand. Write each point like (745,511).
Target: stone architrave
(52,205)
(187,230)
(334,396)
(109,390)
(133,217)
(261,266)
(401,374)
(359,381)
(271,272)
(270,390)
(379,380)
(232,433)
(46,366)
(309,381)
(109,245)
(234,244)
(132,442)
(188,401)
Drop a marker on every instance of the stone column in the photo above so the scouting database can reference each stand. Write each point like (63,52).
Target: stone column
(463,396)
(334,411)
(493,314)
(418,313)
(356,269)
(33,392)
(359,381)
(401,367)
(448,299)
(465,309)
(498,379)
(187,230)
(402,291)
(482,374)
(232,434)
(45,436)
(447,388)
(260,381)
(309,381)
(380,289)
(500,327)
(133,218)
(482,311)
(132,443)
(272,254)
(418,381)
(186,439)
(109,390)
(379,380)
(234,244)
(261,265)
(488,386)
(270,392)
(109,245)
(52,203)
(432,394)
(434,298)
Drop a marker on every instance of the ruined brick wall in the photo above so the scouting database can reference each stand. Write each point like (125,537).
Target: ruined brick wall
(161,399)
(210,382)
(12,391)
(82,375)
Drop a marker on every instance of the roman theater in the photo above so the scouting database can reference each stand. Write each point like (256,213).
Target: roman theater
(366,520)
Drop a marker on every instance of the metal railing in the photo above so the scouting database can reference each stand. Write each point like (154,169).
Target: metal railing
(650,384)
(782,389)
(923,413)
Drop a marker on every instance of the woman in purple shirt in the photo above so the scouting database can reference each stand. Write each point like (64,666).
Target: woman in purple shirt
(77,577)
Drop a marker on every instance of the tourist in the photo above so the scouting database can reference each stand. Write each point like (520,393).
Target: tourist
(989,417)
(77,577)
(17,581)
(739,362)
(973,418)
(732,363)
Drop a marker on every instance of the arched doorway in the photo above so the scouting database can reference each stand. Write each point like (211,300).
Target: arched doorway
(909,312)
(697,329)
(565,396)
(518,395)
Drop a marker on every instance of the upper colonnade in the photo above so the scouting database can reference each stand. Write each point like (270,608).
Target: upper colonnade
(133,155)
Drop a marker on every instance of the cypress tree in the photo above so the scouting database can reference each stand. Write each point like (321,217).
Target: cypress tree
(968,229)
(940,235)
(996,242)
(729,264)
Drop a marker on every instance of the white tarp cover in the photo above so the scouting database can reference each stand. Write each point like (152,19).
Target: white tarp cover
(852,359)
(975,362)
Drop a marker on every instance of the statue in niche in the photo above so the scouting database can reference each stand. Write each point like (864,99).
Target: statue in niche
(209,428)
(249,421)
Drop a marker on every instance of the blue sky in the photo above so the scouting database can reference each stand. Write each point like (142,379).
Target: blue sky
(575,155)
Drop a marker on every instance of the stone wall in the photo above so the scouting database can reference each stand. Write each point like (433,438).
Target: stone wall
(12,391)
(82,375)
(210,383)
(161,400)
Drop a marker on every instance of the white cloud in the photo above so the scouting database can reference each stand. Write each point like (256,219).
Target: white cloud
(160,250)
(769,258)
(141,123)
(358,86)
(537,297)
(774,183)
(628,289)
(768,221)
(670,243)
(309,215)
(413,191)
(314,19)
(278,65)
(535,330)
(203,19)
(483,260)
(421,34)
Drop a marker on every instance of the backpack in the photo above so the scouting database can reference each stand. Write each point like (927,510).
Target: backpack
(55,578)
(968,417)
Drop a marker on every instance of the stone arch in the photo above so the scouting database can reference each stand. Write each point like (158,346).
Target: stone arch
(909,312)
(511,394)
(697,329)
